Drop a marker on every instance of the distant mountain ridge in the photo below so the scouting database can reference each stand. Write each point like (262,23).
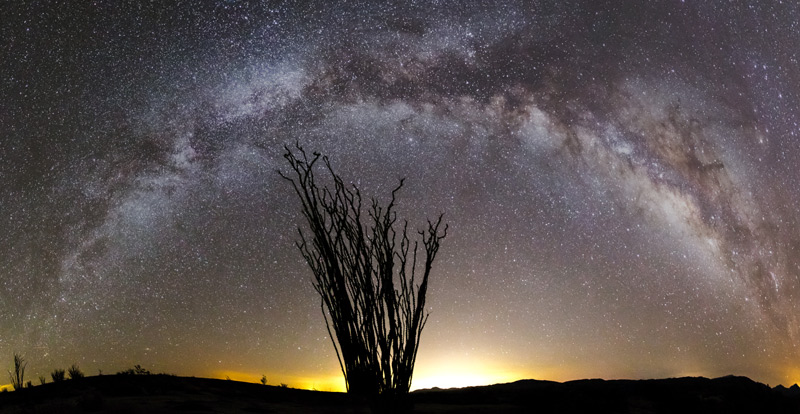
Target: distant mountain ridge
(156,394)
(730,394)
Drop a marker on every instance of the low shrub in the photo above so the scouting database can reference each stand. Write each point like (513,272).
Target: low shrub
(58,375)
(75,372)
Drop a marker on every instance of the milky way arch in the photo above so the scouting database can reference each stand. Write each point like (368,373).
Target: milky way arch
(635,161)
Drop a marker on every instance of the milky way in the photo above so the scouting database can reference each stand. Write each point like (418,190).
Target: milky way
(620,182)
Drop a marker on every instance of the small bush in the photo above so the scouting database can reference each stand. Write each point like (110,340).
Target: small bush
(263,380)
(18,376)
(58,375)
(75,372)
(136,370)
(29,384)
(284,385)
(42,379)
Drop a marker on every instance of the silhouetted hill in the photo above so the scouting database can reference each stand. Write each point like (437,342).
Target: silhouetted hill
(675,395)
(156,394)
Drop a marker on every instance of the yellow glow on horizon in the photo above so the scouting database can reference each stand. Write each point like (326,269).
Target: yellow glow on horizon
(6,387)
(238,376)
(792,376)
(460,380)
(330,383)
(458,373)
(333,383)
(455,373)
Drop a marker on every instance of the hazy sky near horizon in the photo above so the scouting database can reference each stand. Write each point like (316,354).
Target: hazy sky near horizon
(620,179)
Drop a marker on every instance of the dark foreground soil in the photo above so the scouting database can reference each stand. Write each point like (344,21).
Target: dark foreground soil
(156,394)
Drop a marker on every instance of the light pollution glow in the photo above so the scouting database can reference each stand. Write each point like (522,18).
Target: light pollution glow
(449,374)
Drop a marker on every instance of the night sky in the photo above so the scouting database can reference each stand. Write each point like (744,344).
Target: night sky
(620,179)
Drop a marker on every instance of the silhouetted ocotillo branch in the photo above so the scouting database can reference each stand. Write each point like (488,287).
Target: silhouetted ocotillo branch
(373,307)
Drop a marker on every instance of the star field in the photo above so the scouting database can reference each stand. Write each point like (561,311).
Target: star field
(619,179)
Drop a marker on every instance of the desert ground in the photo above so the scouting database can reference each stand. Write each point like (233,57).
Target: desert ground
(156,394)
